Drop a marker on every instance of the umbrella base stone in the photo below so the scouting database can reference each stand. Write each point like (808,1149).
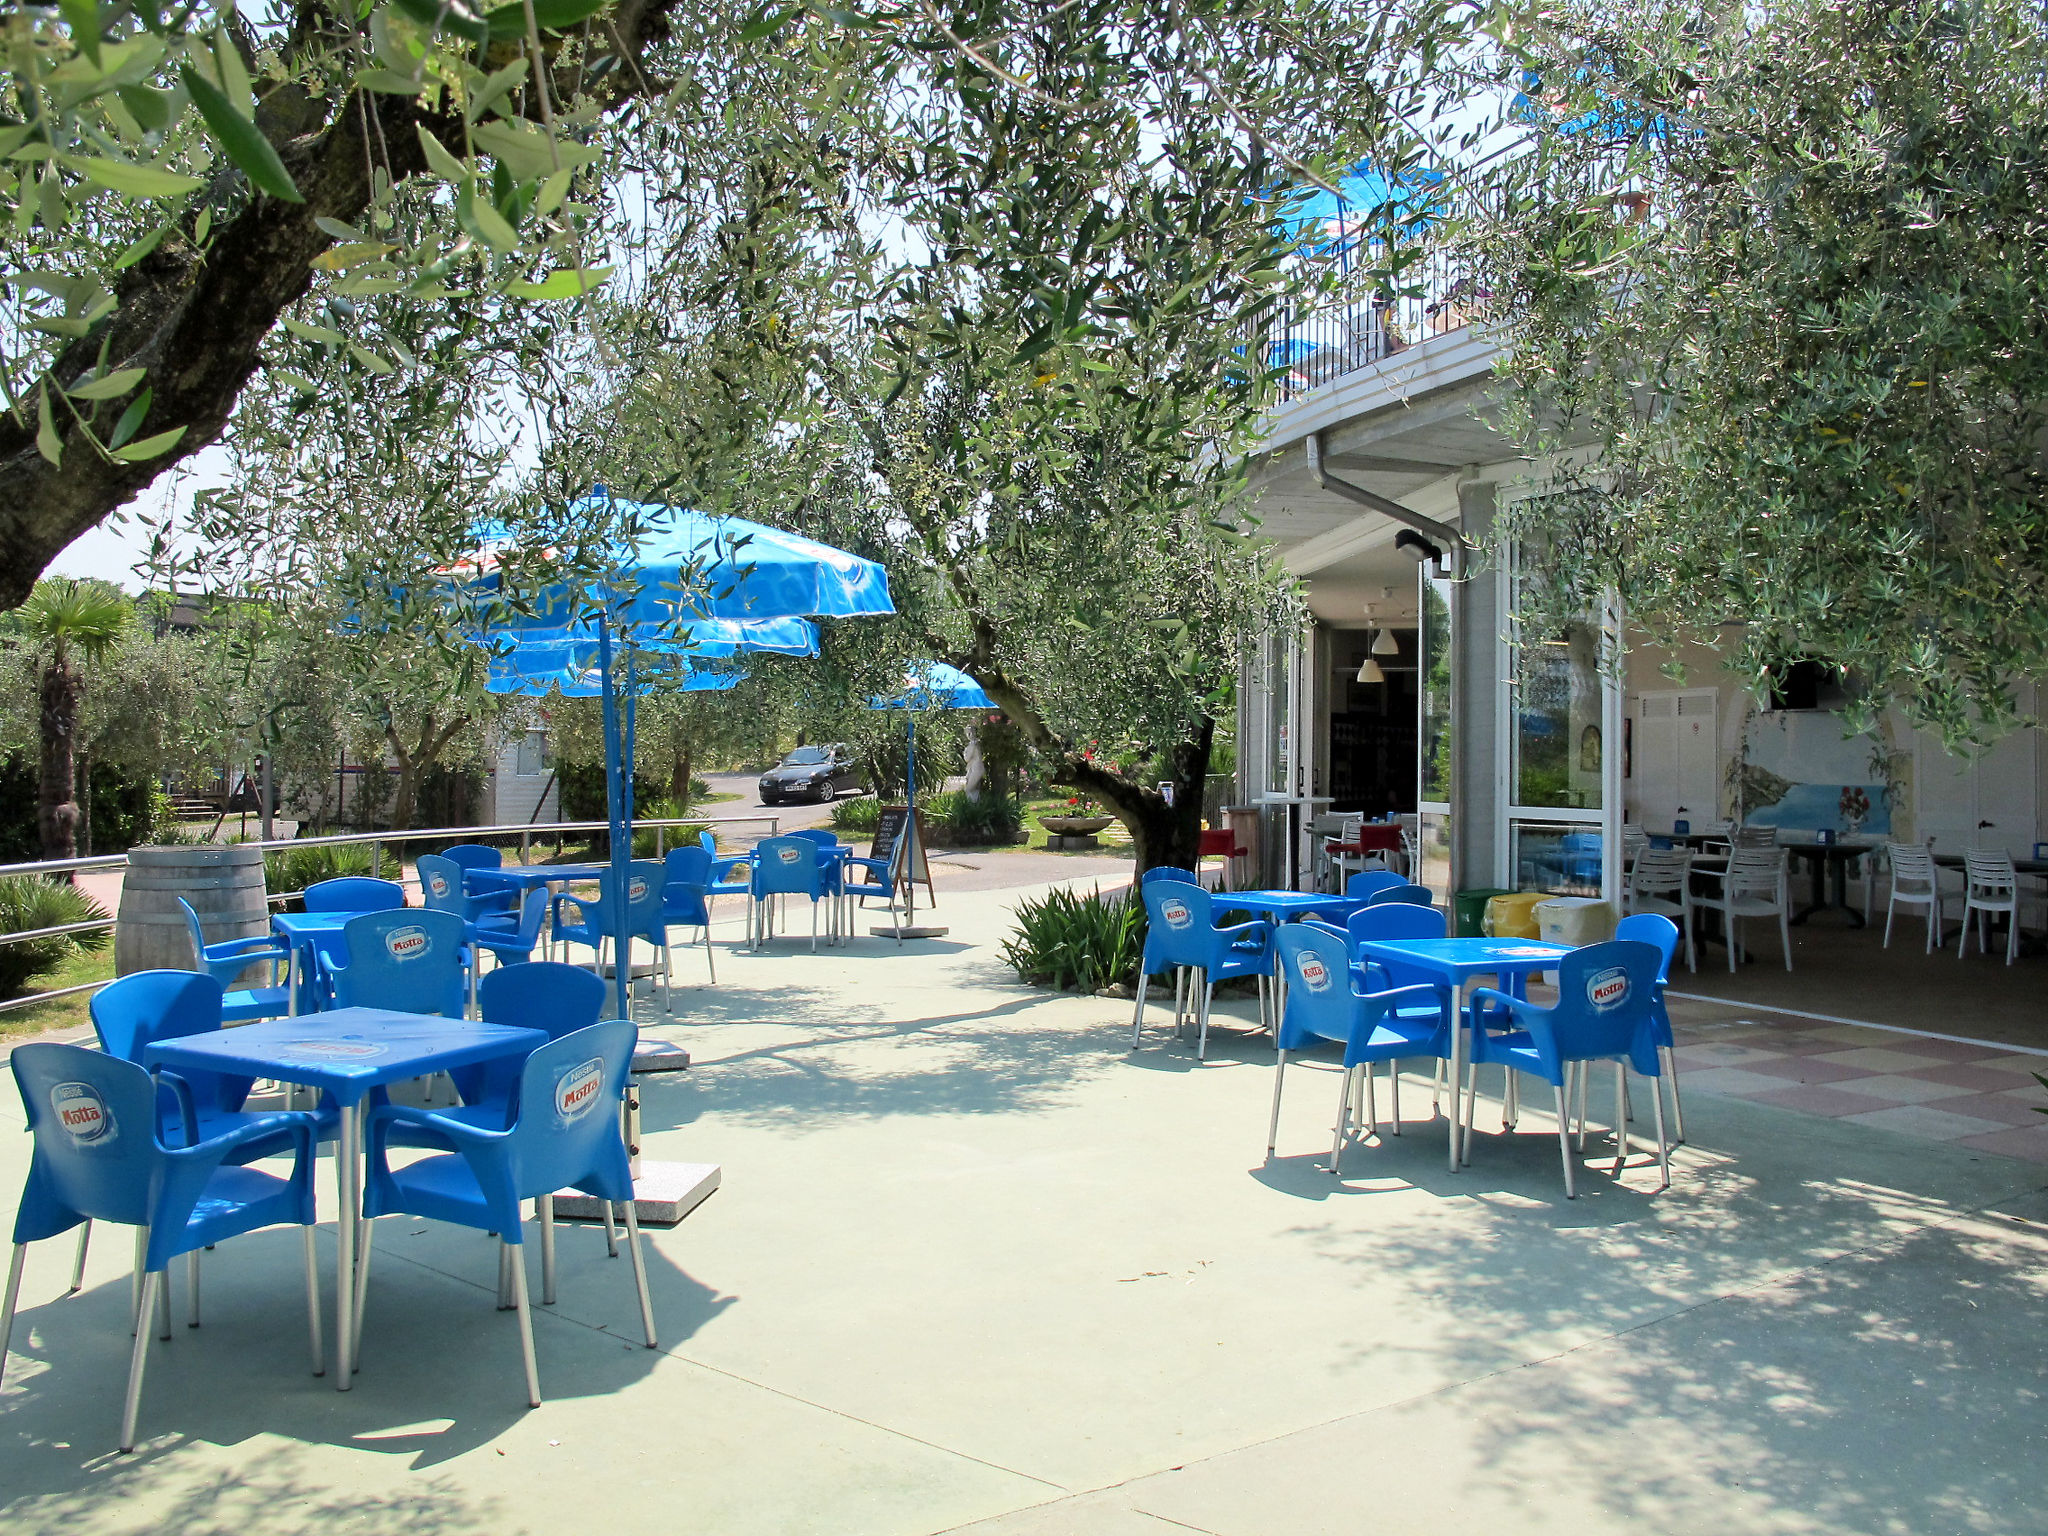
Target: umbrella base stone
(909,931)
(663,1194)
(659,1056)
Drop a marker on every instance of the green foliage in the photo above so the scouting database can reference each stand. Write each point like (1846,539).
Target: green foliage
(984,820)
(287,871)
(29,902)
(861,814)
(1779,269)
(1077,943)
(581,787)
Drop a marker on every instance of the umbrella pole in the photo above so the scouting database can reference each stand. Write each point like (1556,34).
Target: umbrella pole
(618,811)
(910,829)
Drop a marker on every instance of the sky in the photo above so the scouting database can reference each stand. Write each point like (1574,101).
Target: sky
(111,551)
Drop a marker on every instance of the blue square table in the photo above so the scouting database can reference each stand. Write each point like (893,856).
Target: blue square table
(524,877)
(302,933)
(1286,905)
(1462,962)
(345,1052)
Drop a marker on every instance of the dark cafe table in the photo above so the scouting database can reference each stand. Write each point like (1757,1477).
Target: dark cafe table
(1828,876)
(345,1053)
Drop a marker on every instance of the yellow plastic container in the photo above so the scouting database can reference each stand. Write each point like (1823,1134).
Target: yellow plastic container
(1514,916)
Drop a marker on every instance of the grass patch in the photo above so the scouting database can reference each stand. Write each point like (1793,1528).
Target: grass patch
(63,1013)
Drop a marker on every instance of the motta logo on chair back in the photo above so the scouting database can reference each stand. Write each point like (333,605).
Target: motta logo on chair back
(636,888)
(576,1090)
(83,1113)
(438,883)
(1608,988)
(1176,912)
(790,855)
(1314,974)
(407,943)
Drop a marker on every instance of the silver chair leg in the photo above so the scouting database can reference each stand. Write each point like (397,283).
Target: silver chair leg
(135,1280)
(1394,1091)
(547,1249)
(138,1357)
(611,1233)
(1138,1012)
(1372,1108)
(7,1304)
(1564,1144)
(78,1263)
(515,1259)
(1663,1146)
(1273,1124)
(640,1273)
(192,1289)
(163,1305)
(1208,996)
(1346,1082)
(710,960)
(313,1303)
(1620,1116)
(1670,1065)
(361,1296)
(504,1276)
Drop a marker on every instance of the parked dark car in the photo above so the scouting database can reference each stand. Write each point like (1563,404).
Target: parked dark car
(812,773)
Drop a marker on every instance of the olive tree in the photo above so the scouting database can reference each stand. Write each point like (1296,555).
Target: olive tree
(1767,279)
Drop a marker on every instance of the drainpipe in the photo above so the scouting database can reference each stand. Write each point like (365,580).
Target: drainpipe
(1451,540)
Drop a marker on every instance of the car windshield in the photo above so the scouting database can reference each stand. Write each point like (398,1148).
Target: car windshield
(804,755)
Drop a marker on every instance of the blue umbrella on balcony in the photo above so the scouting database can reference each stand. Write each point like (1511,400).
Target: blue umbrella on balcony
(685,584)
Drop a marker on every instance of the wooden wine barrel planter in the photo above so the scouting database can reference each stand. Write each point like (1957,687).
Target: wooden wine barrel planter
(223,883)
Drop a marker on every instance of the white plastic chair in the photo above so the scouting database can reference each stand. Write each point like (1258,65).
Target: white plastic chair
(1756,837)
(1990,886)
(1661,881)
(1916,883)
(1755,884)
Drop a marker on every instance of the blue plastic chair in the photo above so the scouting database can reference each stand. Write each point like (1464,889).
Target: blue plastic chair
(564,1135)
(1657,929)
(1324,1003)
(686,897)
(1391,920)
(411,960)
(133,1012)
(227,960)
(547,995)
(98,1158)
(1369,882)
(1606,1011)
(787,866)
(597,922)
(1420,895)
(1181,931)
(722,867)
(353,893)
(1168,872)
(442,889)
(475,856)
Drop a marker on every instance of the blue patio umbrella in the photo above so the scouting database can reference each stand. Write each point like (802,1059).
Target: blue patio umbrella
(927,685)
(1364,198)
(672,589)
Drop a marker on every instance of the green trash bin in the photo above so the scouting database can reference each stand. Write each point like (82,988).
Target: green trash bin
(1471,911)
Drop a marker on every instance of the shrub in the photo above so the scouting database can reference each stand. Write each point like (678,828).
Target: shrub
(287,871)
(29,902)
(1077,943)
(977,820)
(862,814)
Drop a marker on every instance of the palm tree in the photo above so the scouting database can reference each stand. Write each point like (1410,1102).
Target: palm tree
(71,623)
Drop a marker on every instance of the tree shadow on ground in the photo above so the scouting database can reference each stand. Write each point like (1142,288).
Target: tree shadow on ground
(1851,1352)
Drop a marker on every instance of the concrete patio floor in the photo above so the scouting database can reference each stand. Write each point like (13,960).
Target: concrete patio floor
(974,1267)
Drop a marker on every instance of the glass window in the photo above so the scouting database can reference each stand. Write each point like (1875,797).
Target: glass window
(1556,727)
(1434,641)
(1564,860)
(533,753)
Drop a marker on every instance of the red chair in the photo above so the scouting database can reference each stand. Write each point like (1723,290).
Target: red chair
(1222,844)
(1349,858)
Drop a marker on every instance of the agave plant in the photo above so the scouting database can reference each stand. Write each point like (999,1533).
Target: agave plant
(28,903)
(1077,943)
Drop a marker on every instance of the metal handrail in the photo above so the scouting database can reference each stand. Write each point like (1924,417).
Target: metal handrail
(522,830)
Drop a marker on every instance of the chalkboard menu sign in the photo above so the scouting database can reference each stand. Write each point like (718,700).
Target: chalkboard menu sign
(900,840)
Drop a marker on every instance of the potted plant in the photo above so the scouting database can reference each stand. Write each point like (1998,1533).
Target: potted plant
(1079,817)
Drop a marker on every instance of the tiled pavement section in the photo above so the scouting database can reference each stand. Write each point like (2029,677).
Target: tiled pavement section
(1979,1096)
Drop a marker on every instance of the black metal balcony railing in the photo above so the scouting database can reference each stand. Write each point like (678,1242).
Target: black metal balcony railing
(1357,330)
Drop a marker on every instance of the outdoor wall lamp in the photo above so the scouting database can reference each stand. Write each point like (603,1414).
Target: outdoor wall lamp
(1417,548)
